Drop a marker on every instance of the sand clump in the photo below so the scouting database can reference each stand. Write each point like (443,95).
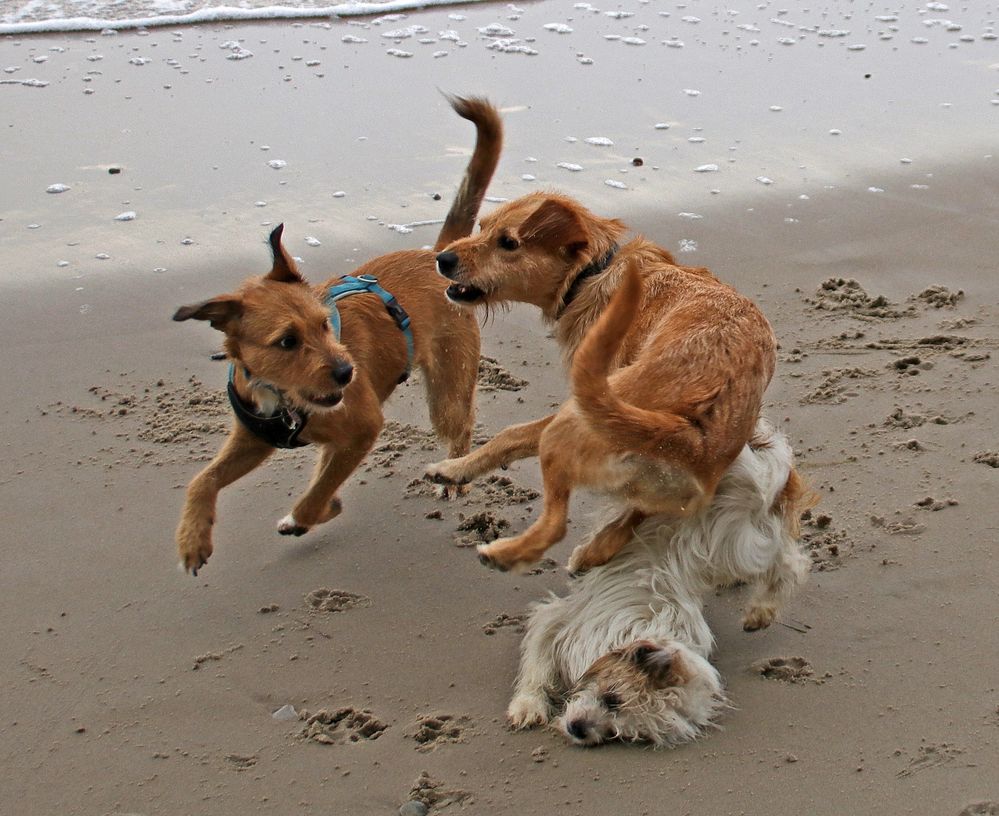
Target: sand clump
(493,377)
(480,528)
(847,295)
(939,296)
(990,458)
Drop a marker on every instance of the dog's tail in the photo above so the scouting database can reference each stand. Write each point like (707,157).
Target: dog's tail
(631,428)
(488,143)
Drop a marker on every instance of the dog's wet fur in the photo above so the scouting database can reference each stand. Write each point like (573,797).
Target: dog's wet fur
(668,367)
(285,356)
(623,655)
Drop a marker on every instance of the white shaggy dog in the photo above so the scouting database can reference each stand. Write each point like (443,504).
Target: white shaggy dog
(625,651)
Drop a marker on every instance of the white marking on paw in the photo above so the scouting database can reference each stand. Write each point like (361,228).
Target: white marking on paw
(287,523)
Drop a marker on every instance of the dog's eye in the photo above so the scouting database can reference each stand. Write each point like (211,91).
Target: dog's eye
(508,243)
(611,700)
(288,342)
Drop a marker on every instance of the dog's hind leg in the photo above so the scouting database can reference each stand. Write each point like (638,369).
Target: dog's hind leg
(339,458)
(451,397)
(240,454)
(776,586)
(606,543)
(790,565)
(549,529)
(509,445)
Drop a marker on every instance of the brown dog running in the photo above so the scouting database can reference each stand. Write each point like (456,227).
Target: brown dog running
(291,373)
(668,367)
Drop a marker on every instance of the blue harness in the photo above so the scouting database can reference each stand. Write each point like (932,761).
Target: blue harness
(350,285)
(281,429)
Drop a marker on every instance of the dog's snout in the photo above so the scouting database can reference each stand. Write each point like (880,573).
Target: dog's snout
(447,264)
(576,728)
(343,373)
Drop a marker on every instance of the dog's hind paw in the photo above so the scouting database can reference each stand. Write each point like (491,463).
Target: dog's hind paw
(288,526)
(759,617)
(527,711)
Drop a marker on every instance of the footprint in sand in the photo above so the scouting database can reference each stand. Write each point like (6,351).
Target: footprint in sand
(981,809)
(785,669)
(505,621)
(827,547)
(930,756)
(434,730)
(341,726)
(328,600)
(432,793)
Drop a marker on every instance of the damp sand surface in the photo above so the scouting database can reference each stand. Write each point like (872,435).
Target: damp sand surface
(369,663)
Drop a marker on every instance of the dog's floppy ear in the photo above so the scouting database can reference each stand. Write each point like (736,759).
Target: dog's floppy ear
(284,269)
(219,311)
(555,224)
(654,661)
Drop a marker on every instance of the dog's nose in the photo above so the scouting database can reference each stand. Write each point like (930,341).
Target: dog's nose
(576,728)
(447,264)
(342,373)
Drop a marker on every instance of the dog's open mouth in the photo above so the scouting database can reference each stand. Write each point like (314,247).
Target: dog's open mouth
(326,400)
(464,293)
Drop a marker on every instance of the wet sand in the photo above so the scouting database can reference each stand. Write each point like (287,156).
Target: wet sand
(130,688)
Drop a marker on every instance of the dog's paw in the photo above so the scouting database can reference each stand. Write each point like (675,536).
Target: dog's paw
(527,711)
(445,473)
(577,565)
(504,554)
(450,492)
(288,526)
(759,617)
(194,549)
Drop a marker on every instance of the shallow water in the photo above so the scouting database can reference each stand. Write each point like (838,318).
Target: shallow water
(223,130)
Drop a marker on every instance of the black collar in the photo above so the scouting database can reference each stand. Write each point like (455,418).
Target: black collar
(593,268)
(279,430)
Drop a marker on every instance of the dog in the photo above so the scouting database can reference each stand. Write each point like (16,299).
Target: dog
(624,655)
(294,382)
(668,366)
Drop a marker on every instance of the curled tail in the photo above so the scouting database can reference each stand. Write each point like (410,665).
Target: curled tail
(488,143)
(630,428)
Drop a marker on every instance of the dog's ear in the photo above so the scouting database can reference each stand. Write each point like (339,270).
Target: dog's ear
(652,660)
(284,269)
(219,311)
(556,225)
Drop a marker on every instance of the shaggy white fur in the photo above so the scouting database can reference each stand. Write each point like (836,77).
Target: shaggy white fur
(576,648)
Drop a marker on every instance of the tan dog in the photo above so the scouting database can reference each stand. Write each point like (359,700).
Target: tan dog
(668,365)
(290,373)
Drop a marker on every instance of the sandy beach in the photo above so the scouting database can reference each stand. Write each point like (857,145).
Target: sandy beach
(846,181)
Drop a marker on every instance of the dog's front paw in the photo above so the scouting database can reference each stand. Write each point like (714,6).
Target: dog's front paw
(505,555)
(759,617)
(288,526)
(448,472)
(528,711)
(194,544)
(450,492)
